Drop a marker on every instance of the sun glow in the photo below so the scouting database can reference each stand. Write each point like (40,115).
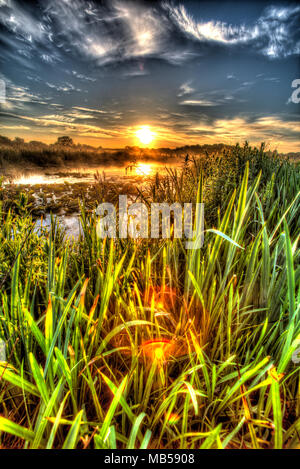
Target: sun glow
(144,134)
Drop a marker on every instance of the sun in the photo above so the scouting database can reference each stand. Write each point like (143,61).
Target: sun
(144,134)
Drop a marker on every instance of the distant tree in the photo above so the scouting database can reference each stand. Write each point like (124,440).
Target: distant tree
(65,141)
(4,140)
(19,140)
(37,143)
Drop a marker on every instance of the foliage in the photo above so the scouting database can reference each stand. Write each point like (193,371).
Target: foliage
(143,344)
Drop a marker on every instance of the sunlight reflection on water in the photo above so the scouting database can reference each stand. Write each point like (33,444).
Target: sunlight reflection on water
(134,173)
(75,175)
(33,179)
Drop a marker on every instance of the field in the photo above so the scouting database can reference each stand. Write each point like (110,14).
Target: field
(143,344)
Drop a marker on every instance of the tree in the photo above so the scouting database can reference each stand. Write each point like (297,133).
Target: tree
(65,141)
(19,140)
(5,140)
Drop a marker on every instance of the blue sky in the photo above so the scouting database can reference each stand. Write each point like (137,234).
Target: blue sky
(195,72)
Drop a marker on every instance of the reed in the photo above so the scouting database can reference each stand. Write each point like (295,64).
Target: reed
(143,344)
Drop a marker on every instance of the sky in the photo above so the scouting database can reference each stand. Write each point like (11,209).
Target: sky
(195,72)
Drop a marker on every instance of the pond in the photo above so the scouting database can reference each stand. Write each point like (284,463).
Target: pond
(59,191)
(74,175)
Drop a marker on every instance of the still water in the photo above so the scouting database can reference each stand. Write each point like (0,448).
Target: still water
(71,176)
(48,186)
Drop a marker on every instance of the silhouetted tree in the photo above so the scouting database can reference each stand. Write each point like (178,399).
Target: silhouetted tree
(5,140)
(65,141)
(19,140)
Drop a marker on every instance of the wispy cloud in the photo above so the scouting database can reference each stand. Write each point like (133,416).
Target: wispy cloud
(212,98)
(108,33)
(17,96)
(66,88)
(274,34)
(277,131)
(15,127)
(100,111)
(185,89)
(199,102)
(21,21)
(81,76)
(61,123)
(98,68)
(273,130)
(119,30)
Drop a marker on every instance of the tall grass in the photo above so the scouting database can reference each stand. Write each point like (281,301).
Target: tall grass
(143,344)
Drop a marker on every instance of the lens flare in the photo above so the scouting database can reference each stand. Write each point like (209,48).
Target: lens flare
(157,349)
(173,419)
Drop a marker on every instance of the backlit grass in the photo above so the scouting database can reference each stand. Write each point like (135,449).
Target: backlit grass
(143,344)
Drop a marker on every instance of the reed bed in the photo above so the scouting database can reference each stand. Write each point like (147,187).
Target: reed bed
(144,344)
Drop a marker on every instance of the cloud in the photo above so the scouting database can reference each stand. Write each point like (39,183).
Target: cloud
(15,127)
(145,31)
(271,129)
(59,122)
(213,98)
(73,55)
(100,111)
(278,131)
(51,59)
(106,33)
(66,88)
(214,31)
(80,76)
(17,96)
(199,102)
(185,89)
(117,31)
(21,21)
(274,34)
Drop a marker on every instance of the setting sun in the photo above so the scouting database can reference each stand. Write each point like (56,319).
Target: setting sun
(145,135)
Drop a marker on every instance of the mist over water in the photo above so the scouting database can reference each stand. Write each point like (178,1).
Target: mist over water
(85,175)
(57,190)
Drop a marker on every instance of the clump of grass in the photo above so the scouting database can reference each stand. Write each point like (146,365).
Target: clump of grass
(142,344)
